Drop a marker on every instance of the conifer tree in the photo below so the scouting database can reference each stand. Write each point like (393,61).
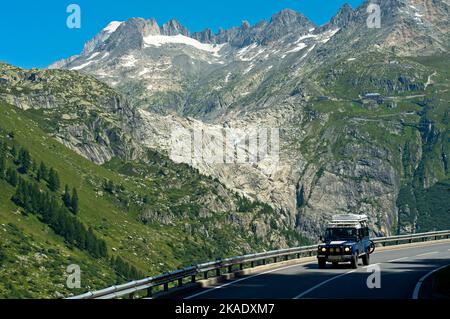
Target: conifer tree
(11,176)
(42,172)
(66,197)
(74,201)
(53,180)
(24,161)
(14,151)
(2,165)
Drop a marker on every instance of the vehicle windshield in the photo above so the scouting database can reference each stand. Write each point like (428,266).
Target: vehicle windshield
(341,234)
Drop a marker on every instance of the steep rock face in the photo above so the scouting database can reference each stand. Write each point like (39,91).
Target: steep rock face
(87,116)
(100,38)
(173,27)
(344,17)
(287,22)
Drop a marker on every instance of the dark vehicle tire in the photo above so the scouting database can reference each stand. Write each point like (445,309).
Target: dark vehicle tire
(371,247)
(366,260)
(335,264)
(322,263)
(354,262)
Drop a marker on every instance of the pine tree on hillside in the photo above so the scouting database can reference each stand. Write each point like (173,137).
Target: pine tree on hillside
(108,186)
(21,194)
(2,165)
(14,151)
(74,201)
(42,173)
(53,180)
(24,161)
(66,197)
(11,176)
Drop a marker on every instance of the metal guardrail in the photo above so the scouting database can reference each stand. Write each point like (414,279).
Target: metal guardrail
(147,285)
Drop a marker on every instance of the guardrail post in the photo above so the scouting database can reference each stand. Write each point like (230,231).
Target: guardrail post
(286,257)
(252,264)
(166,286)
(263,261)
(230,269)
(241,266)
(435,237)
(180,282)
(205,275)
(275,259)
(131,296)
(149,292)
(218,272)
(193,279)
(299,255)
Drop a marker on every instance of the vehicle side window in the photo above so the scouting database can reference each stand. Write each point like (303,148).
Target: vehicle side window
(360,233)
(365,232)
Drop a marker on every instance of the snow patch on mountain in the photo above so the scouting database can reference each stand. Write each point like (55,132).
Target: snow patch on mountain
(93,56)
(299,47)
(112,27)
(160,40)
(326,36)
(82,66)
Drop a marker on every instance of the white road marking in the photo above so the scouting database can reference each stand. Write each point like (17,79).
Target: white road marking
(426,254)
(398,259)
(419,284)
(329,280)
(245,278)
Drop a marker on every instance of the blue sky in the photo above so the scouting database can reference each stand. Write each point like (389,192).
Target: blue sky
(34,33)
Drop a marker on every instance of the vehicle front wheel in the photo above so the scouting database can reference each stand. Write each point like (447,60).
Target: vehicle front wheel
(354,262)
(366,260)
(322,263)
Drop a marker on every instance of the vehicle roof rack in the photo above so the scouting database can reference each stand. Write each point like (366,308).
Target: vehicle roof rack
(349,220)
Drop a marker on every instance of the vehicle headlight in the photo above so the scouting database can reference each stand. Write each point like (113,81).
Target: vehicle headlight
(331,250)
(323,249)
(347,249)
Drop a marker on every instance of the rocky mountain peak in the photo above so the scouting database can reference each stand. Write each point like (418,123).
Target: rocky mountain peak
(290,18)
(344,17)
(205,36)
(128,36)
(174,27)
(101,37)
(152,27)
(245,25)
(286,22)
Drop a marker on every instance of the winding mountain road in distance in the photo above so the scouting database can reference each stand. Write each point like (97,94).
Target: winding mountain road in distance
(401,270)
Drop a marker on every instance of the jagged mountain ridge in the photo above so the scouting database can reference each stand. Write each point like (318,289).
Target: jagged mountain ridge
(163,68)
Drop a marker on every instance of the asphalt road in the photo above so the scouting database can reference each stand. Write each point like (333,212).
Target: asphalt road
(400,271)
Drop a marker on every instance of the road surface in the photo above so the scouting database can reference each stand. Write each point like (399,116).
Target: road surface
(401,270)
